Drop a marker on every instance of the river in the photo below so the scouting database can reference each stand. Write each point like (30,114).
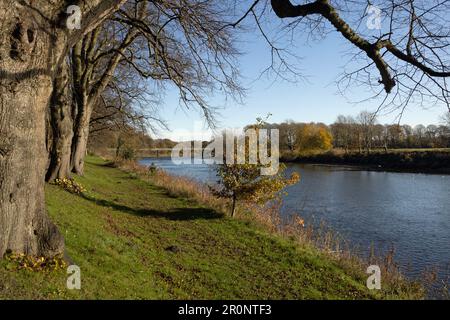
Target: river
(404,211)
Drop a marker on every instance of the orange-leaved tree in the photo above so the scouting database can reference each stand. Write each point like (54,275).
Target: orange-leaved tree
(244,181)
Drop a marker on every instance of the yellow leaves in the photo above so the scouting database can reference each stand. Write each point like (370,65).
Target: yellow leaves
(70,185)
(244,182)
(314,137)
(326,140)
(299,221)
(20,261)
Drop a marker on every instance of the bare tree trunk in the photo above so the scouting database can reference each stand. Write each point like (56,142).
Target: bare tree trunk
(33,40)
(80,138)
(83,70)
(233,209)
(120,143)
(25,87)
(61,123)
(368,147)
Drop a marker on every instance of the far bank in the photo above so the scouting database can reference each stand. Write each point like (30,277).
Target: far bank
(417,161)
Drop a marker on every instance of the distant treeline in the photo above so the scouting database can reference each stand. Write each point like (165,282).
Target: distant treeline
(362,134)
(347,135)
(362,141)
(407,161)
(128,143)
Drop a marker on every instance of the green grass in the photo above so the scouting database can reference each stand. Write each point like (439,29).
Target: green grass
(121,233)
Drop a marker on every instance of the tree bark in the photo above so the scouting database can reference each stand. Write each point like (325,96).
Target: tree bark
(80,138)
(88,92)
(26,68)
(61,127)
(33,42)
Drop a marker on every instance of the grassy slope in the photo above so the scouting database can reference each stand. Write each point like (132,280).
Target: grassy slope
(119,237)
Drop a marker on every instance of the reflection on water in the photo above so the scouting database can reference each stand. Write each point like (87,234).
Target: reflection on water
(410,212)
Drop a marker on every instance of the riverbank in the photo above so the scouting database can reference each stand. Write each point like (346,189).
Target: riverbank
(430,162)
(134,239)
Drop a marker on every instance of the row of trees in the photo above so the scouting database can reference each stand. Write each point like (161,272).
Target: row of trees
(59,75)
(362,133)
(104,79)
(365,133)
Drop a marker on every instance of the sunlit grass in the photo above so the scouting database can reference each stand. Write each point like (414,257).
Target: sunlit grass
(135,239)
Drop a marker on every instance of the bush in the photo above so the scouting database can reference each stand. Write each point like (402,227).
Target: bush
(128,154)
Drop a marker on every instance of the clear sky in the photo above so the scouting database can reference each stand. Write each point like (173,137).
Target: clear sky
(316,100)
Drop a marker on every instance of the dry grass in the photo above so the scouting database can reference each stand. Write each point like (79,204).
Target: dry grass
(335,247)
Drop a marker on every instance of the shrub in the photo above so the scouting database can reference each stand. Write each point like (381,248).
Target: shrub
(128,153)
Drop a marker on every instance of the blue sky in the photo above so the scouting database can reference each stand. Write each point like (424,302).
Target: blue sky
(316,100)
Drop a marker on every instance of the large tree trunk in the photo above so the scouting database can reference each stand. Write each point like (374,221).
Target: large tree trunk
(33,40)
(80,138)
(88,96)
(26,68)
(61,126)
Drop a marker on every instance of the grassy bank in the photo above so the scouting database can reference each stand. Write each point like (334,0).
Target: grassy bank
(133,239)
(420,161)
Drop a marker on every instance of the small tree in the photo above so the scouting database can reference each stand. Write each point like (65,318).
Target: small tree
(243,182)
(128,153)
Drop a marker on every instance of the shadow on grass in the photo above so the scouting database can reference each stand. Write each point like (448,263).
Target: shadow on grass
(177,214)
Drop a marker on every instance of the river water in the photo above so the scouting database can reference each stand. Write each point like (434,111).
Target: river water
(407,212)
